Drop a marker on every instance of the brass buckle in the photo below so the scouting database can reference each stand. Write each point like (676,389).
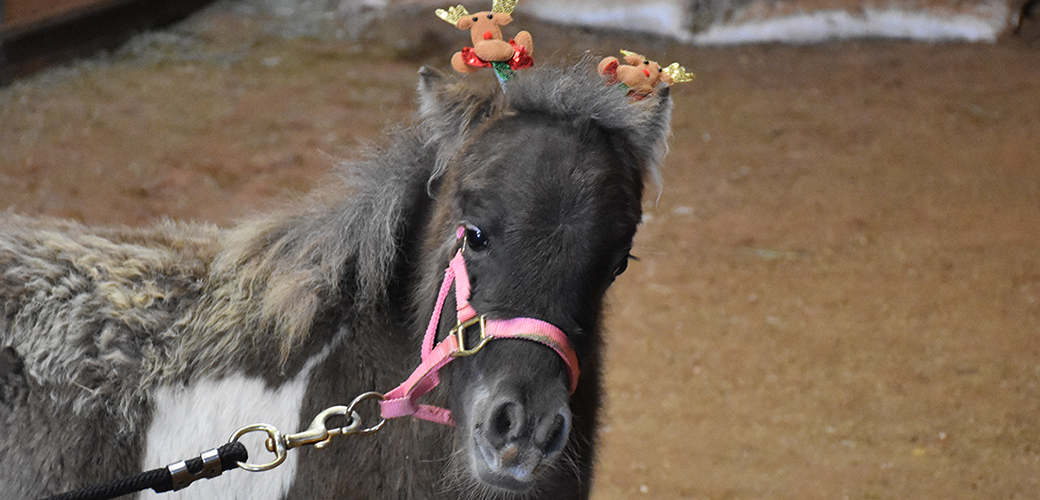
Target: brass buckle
(460,334)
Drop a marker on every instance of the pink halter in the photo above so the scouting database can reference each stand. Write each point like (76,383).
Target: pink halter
(403,400)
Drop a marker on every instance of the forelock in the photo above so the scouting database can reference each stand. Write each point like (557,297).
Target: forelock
(579,95)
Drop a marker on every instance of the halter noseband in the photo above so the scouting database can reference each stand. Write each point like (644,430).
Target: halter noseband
(403,400)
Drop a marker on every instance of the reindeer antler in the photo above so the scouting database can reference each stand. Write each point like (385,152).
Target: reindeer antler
(627,53)
(678,73)
(453,14)
(503,6)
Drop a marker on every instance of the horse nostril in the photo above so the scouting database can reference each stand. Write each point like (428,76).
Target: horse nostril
(554,433)
(488,35)
(505,420)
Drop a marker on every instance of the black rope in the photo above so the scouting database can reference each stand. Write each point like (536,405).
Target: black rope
(160,480)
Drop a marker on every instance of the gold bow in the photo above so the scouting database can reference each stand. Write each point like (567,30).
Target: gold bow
(678,73)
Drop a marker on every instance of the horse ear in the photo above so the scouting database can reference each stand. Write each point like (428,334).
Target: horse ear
(447,111)
(449,106)
(433,97)
(429,81)
(649,139)
(653,140)
(435,101)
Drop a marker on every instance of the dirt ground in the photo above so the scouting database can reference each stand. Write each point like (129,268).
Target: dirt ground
(838,291)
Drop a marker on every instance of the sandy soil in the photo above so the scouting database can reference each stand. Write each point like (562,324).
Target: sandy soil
(838,291)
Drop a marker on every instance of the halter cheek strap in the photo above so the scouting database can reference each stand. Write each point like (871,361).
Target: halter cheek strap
(403,400)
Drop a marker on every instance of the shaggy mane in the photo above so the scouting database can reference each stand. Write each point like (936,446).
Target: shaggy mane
(574,93)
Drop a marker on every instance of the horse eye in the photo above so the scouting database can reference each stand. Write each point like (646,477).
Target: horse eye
(623,265)
(476,239)
(476,18)
(490,16)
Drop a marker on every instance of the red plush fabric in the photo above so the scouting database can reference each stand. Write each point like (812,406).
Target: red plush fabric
(520,58)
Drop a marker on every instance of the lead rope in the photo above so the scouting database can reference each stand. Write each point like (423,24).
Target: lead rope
(232,455)
(172,477)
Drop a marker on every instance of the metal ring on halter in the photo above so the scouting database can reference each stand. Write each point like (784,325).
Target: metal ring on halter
(460,333)
(350,408)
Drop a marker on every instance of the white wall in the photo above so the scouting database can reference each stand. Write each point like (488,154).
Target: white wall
(744,21)
(794,21)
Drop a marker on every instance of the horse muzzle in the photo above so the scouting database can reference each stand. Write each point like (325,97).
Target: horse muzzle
(517,434)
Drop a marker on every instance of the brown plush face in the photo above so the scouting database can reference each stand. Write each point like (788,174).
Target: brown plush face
(642,73)
(484,25)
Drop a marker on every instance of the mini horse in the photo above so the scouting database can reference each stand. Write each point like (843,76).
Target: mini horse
(127,349)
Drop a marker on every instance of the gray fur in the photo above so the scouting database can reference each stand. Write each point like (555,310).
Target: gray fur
(95,319)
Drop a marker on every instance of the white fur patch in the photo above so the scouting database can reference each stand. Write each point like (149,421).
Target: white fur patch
(191,420)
